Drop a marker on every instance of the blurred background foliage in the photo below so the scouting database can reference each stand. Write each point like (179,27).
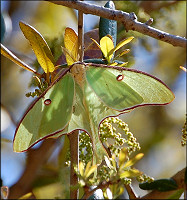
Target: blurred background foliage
(157,128)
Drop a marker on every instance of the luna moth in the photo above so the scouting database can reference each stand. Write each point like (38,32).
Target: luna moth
(82,96)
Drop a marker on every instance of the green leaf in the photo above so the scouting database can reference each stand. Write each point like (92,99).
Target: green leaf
(97,61)
(160,184)
(39,46)
(107,26)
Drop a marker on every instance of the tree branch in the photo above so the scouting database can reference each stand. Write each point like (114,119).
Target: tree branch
(178,177)
(81,35)
(128,19)
(74,158)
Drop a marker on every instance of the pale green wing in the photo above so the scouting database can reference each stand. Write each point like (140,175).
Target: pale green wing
(88,112)
(49,114)
(125,88)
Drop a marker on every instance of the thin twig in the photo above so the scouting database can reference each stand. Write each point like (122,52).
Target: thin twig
(101,186)
(80,36)
(74,158)
(130,191)
(128,19)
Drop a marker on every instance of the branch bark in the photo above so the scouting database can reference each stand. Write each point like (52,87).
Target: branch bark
(81,35)
(128,19)
(74,156)
(178,177)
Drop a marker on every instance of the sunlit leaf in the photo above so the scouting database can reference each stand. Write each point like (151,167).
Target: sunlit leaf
(81,168)
(71,44)
(120,44)
(91,49)
(122,53)
(114,161)
(26,196)
(91,170)
(130,173)
(69,57)
(39,46)
(113,64)
(96,43)
(183,68)
(134,160)
(87,168)
(8,54)
(106,45)
(122,156)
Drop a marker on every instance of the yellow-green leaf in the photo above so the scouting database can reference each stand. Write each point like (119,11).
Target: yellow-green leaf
(114,161)
(71,44)
(106,46)
(134,160)
(123,64)
(39,46)
(69,57)
(26,196)
(122,156)
(122,53)
(91,170)
(113,64)
(96,43)
(81,168)
(130,173)
(87,168)
(8,54)
(120,44)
